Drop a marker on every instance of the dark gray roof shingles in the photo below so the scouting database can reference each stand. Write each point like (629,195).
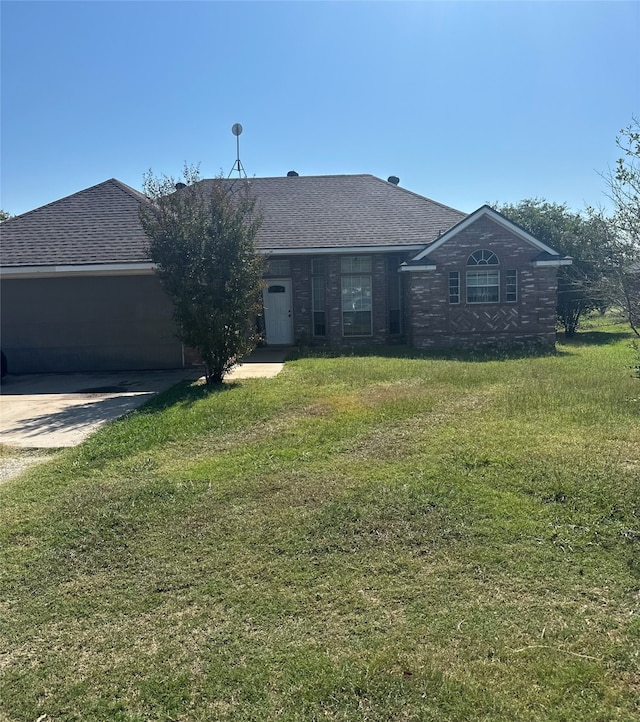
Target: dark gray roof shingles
(306,212)
(97,225)
(101,224)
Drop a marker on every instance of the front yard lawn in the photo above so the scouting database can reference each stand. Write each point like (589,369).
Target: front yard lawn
(369,538)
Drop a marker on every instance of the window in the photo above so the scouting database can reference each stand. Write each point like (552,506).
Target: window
(454,287)
(511,289)
(318,297)
(483,285)
(279,267)
(356,305)
(356,295)
(355,264)
(482,258)
(394,295)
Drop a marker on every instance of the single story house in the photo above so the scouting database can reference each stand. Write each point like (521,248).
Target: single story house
(352,259)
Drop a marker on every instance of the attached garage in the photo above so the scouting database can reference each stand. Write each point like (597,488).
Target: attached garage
(78,292)
(87,323)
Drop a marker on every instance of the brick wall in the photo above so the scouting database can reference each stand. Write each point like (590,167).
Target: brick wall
(381,265)
(429,320)
(433,322)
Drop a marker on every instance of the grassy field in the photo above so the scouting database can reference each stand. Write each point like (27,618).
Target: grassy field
(361,538)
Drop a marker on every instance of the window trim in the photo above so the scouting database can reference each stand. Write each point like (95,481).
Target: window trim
(354,267)
(454,276)
(395,296)
(483,257)
(278,268)
(360,265)
(318,280)
(511,286)
(495,287)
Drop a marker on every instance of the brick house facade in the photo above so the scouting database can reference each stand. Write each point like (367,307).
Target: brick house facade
(313,326)
(351,261)
(427,300)
(522,310)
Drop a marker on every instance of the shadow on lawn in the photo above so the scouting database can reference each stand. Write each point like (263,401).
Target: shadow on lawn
(595,338)
(405,352)
(187,393)
(582,338)
(184,394)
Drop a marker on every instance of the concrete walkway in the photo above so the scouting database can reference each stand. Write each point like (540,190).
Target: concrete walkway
(46,411)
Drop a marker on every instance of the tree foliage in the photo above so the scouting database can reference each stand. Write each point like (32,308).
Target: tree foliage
(4,215)
(201,238)
(624,191)
(624,183)
(587,238)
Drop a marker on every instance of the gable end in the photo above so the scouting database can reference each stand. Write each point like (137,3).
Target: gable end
(489,213)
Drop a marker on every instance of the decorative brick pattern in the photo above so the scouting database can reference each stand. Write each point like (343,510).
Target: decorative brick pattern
(435,323)
(499,320)
(429,320)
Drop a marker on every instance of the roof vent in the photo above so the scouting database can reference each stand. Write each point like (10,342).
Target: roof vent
(393,179)
(180,186)
(292,174)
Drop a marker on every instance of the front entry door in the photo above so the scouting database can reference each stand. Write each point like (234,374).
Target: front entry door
(278,316)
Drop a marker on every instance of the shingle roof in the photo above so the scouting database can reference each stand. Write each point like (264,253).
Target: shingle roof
(304,212)
(100,225)
(95,226)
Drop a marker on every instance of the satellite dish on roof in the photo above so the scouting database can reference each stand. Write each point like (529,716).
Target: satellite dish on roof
(236,129)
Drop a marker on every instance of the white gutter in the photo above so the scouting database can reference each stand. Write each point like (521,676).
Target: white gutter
(339,250)
(406,269)
(94,269)
(119,269)
(556,263)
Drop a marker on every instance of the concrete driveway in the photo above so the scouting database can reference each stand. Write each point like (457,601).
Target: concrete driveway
(47,411)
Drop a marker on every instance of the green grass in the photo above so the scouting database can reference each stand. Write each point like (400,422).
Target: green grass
(375,537)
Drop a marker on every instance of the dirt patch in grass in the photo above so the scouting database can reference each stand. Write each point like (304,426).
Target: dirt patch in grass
(12,464)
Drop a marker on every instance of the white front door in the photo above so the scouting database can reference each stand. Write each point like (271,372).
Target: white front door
(278,315)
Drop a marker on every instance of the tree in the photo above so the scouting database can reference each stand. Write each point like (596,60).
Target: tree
(586,238)
(624,191)
(624,184)
(4,216)
(201,238)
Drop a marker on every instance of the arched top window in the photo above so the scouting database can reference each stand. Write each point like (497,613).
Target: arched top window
(483,258)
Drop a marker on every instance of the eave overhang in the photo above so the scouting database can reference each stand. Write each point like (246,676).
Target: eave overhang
(326,250)
(486,211)
(88,269)
(144,268)
(554,263)
(408,267)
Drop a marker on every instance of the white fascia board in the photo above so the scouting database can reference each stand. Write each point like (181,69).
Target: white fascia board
(557,263)
(497,218)
(425,267)
(339,249)
(94,269)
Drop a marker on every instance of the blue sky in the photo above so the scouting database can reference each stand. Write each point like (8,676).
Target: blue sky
(467,102)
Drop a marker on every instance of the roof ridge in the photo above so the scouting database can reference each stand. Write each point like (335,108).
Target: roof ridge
(300,177)
(418,195)
(360,175)
(121,186)
(133,192)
